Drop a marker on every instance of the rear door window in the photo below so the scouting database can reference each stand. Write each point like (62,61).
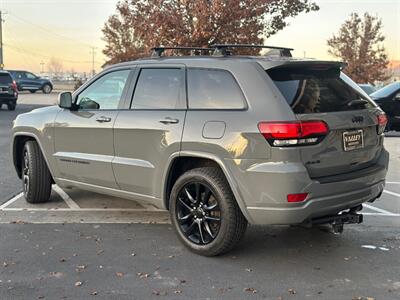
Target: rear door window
(213,89)
(159,88)
(318,89)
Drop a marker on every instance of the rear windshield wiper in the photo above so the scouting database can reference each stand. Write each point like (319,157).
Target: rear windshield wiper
(357,102)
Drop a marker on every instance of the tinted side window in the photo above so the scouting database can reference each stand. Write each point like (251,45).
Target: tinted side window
(30,75)
(213,89)
(105,92)
(19,75)
(158,89)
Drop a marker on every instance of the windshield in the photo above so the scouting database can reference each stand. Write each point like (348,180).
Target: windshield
(368,89)
(387,90)
(318,89)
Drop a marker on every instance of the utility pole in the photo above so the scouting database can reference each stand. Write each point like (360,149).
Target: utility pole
(1,42)
(93,52)
(41,67)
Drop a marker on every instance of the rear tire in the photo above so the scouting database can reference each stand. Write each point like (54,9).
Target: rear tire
(32,91)
(36,177)
(47,89)
(207,225)
(11,106)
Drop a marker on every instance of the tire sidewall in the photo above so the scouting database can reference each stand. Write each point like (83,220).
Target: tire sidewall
(193,176)
(46,91)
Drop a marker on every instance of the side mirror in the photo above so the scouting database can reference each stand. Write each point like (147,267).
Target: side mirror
(65,100)
(397,97)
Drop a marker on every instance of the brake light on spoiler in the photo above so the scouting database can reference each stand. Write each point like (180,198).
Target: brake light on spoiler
(294,133)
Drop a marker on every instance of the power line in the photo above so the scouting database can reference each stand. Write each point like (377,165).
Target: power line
(25,51)
(47,31)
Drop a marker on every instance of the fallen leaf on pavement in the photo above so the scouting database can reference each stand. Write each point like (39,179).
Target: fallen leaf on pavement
(78,283)
(142,275)
(119,274)
(56,274)
(80,268)
(291,291)
(250,289)
(159,293)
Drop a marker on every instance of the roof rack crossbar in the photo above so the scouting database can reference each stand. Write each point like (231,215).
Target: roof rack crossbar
(222,49)
(158,51)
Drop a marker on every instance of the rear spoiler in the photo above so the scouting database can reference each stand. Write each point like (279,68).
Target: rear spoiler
(267,64)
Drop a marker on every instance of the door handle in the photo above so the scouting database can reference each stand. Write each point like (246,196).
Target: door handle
(103,119)
(169,120)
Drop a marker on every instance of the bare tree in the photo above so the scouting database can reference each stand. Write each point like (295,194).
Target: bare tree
(55,67)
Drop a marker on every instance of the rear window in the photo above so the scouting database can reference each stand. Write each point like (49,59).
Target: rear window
(213,89)
(318,89)
(5,78)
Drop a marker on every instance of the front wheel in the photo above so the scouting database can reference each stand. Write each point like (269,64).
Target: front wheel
(36,178)
(204,212)
(47,89)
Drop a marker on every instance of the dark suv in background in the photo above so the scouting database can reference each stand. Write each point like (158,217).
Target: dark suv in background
(388,99)
(8,90)
(27,81)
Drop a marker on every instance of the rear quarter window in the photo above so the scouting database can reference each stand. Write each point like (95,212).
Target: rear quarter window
(213,89)
(318,89)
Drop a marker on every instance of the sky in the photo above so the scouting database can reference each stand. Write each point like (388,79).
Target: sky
(35,31)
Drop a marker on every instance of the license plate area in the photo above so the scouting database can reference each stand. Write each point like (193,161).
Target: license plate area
(353,140)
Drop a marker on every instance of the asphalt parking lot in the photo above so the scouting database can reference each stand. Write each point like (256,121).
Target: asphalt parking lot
(83,245)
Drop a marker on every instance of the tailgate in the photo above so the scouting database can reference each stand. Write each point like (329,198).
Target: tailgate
(320,92)
(352,143)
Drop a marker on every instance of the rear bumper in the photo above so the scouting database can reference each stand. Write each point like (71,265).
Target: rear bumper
(264,188)
(7,100)
(315,208)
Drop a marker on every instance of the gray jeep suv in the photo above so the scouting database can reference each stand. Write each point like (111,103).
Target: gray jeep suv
(219,140)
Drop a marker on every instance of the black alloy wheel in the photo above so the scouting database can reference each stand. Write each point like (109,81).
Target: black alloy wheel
(198,213)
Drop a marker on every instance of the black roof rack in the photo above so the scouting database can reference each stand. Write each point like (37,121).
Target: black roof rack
(158,51)
(222,49)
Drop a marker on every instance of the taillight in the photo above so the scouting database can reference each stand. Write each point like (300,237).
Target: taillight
(14,86)
(296,133)
(382,121)
(297,197)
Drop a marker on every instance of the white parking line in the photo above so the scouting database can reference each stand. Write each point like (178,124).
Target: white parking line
(71,203)
(380,210)
(11,201)
(391,193)
(381,215)
(393,182)
(83,209)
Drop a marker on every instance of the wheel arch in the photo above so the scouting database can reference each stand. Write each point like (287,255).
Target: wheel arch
(17,145)
(188,160)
